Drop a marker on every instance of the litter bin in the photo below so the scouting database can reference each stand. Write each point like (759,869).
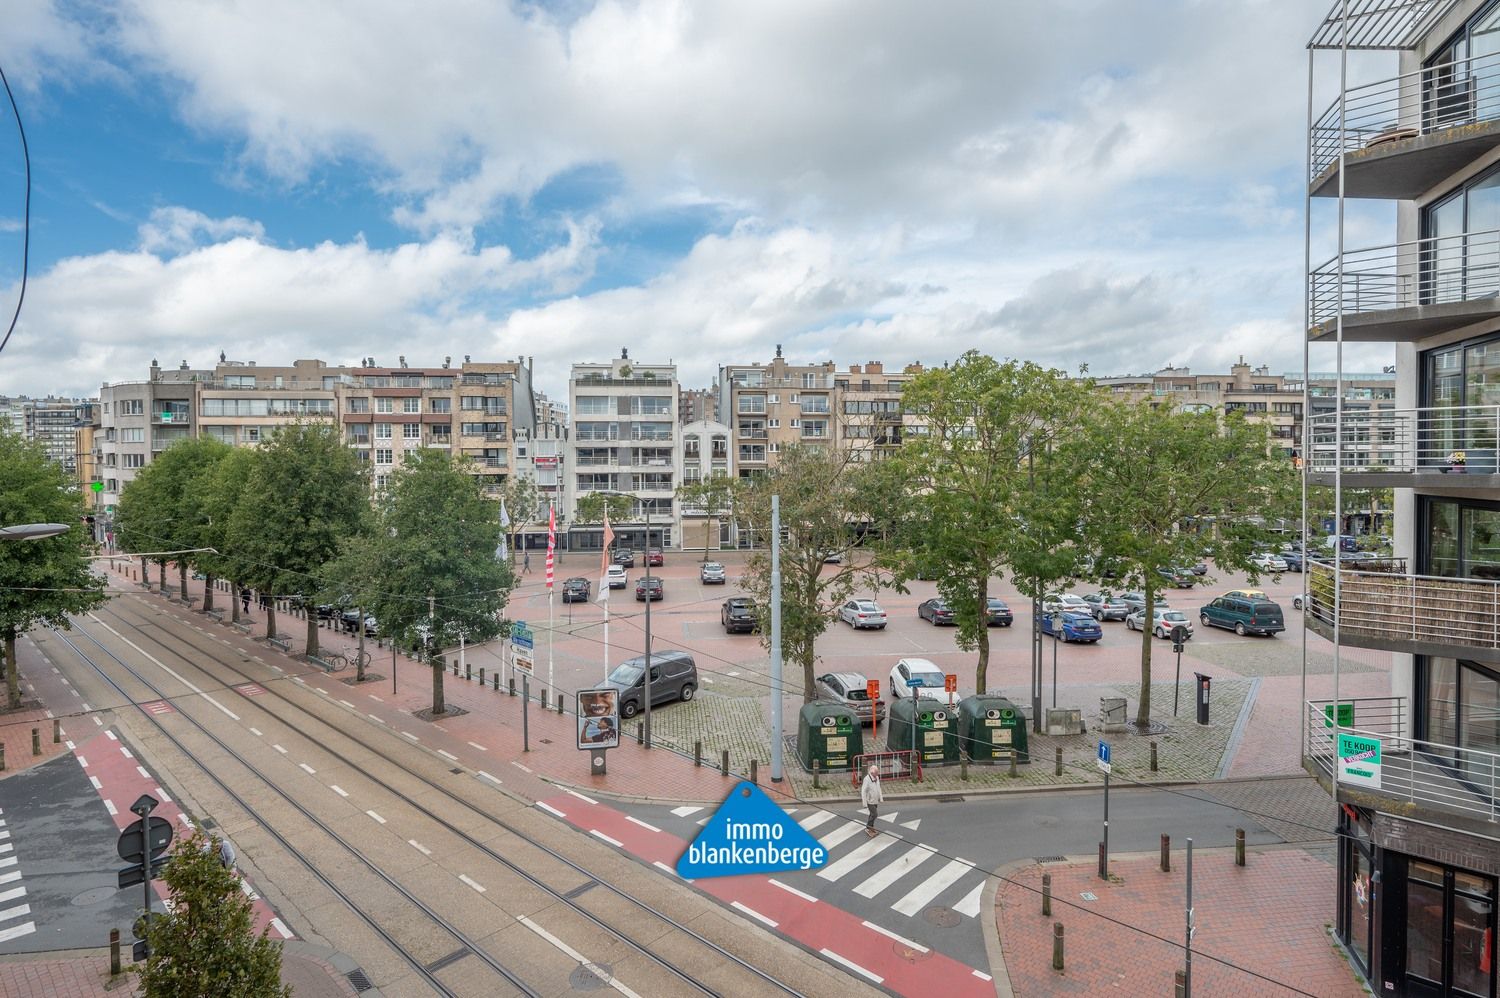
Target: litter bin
(1203,684)
(829,733)
(990,727)
(929,723)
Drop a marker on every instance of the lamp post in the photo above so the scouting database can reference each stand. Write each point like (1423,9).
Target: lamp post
(646,680)
(33,531)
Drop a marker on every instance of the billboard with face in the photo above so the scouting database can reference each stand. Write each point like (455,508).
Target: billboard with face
(598,719)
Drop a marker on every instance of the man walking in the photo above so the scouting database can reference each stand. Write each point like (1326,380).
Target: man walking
(526,563)
(871,797)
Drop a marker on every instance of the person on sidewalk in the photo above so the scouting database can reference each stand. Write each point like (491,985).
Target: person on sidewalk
(525,562)
(871,797)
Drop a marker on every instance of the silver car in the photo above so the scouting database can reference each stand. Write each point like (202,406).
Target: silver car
(711,574)
(862,613)
(1163,620)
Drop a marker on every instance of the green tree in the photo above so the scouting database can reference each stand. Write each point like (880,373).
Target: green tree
(222,489)
(521,498)
(713,495)
(426,567)
(592,506)
(823,508)
(973,503)
(183,473)
(41,581)
(143,520)
(306,494)
(1146,471)
(207,944)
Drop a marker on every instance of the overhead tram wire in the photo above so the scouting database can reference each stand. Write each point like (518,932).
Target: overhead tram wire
(26,223)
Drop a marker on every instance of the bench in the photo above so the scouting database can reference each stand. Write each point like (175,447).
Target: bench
(217,615)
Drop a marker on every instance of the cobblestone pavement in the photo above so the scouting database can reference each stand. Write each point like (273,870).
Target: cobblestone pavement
(1262,929)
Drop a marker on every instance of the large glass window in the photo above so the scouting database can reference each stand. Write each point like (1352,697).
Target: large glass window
(1461,539)
(1424,922)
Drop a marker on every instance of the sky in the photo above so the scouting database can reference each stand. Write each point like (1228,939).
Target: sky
(1116,185)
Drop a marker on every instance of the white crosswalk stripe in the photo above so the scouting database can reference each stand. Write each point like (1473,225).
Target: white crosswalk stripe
(815,819)
(839,834)
(921,895)
(970,904)
(852,860)
(889,874)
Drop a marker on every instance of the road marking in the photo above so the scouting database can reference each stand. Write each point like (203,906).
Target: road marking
(83,762)
(581,797)
(109,806)
(8,861)
(492,779)
(855,858)
(912,824)
(662,866)
(374,697)
(754,914)
(472,883)
(479,746)
(683,812)
(852,965)
(638,821)
(447,755)
(142,770)
(17,932)
(419,847)
(524,769)
(970,904)
(6,846)
(931,887)
(227,712)
(981,975)
(377,720)
(16,912)
(889,874)
(307,769)
(338,790)
(126,752)
(815,819)
(163,794)
(550,809)
(111,736)
(278,748)
(792,890)
(572,953)
(614,842)
(889,817)
(12,894)
(99,720)
(413,737)
(346,703)
(255,732)
(95,781)
(840,833)
(70,746)
(286,933)
(900,939)
(376,816)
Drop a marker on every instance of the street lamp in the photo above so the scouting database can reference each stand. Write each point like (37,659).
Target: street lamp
(32,531)
(646,555)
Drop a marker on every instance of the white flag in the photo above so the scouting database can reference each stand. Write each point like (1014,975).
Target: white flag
(502,553)
(609,540)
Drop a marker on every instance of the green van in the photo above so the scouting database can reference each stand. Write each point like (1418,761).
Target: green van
(1243,613)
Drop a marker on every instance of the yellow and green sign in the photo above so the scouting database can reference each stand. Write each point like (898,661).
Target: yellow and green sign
(1359,760)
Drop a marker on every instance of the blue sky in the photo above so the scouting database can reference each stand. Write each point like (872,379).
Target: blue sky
(1076,182)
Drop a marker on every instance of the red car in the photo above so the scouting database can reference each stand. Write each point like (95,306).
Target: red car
(655,557)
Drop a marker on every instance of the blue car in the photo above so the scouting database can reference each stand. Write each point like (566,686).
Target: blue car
(1293,560)
(1076,626)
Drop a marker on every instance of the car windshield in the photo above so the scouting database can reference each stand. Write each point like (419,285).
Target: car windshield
(1176,616)
(866,606)
(996,604)
(713,566)
(626,675)
(857,693)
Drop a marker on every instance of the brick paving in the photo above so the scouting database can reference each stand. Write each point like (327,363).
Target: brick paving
(87,976)
(1268,918)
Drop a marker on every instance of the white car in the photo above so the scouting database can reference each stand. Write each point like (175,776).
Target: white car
(615,576)
(1267,562)
(1163,620)
(1298,600)
(930,679)
(1054,603)
(859,613)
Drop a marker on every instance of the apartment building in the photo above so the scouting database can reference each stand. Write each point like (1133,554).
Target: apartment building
(241,403)
(542,457)
(768,406)
(1415,774)
(872,422)
(706,453)
(695,405)
(626,439)
(138,419)
(52,422)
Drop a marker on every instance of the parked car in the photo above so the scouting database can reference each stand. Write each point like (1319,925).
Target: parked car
(1052,602)
(997,613)
(738,615)
(1268,562)
(1106,607)
(1244,614)
(1133,599)
(616,576)
(649,587)
(674,676)
(711,574)
(927,675)
(576,589)
(1072,625)
(851,690)
(330,611)
(1294,560)
(1179,578)
(624,556)
(350,621)
(654,556)
(1298,600)
(936,610)
(1163,619)
(1197,567)
(862,613)
(832,558)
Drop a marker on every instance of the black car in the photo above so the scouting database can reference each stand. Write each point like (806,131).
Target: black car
(936,610)
(575,590)
(649,588)
(625,557)
(738,616)
(350,620)
(1180,578)
(997,614)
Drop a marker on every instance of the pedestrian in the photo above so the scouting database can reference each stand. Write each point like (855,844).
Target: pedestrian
(525,562)
(871,797)
(245,600)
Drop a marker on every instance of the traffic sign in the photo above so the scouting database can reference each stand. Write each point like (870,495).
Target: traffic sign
(132,875)
(912,682)
(144,805)
(950,683)
(521,662)
(872,689)
(135,838)
(522,636)
(1103,758)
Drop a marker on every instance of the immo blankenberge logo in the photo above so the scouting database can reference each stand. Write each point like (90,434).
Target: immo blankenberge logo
(750,834)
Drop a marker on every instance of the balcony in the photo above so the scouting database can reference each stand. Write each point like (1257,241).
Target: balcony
(1404,135)
(1395,448)
(1408,291)
(1458,781)
(1381,605)
(751,434)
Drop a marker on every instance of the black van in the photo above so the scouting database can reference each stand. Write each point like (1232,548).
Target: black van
(1243,614)
(674,676)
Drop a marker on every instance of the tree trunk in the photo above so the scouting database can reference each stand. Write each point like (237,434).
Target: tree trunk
(182,592)
(1143,709)
(12,670)
(439,707)
(146,572)
(270,618)
(208,591)
(312,634)
(982,670)
(236,593)
(809,660)
(359,660)
(161,572)
(708,532)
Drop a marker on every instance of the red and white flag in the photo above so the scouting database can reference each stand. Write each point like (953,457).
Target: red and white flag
(551,541)
(609,541)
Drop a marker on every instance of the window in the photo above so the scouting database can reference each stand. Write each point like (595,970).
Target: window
(482,403)
(411,404)
(440,405)
(358,403)
(132,434)
(751,404)
(411,431)
(381,481)
(815,428)
(593,405)
(650,405)
(382,431)
(385,405)
(132,407)
(132,460)
(383,455)
(441,432)
(795,423)
(774,424)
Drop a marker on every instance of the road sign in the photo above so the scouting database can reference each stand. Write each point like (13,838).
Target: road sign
(522,636)
(521,661)
(912,682)
(950,683)
(144,805)
(132,875)
(1104,754)
(135,838)
(872,689)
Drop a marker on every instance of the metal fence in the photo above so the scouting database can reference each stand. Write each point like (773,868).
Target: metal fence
(1443,439)
(1380,599)
(1463,266)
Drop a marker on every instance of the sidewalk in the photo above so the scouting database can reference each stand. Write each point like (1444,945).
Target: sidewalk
(1268,918)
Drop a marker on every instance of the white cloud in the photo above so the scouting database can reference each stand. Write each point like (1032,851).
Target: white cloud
(176,230)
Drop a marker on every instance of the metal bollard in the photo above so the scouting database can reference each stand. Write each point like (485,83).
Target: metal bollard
(1179,984)
(1153,757)
(114,952)
(56,730)
(1166,854)
(915,766)
(495,682)
(468,672)
(1103,863)
(724,763)
(36,741)
(1047,894)
(512,685)
(754,772)
(1057,767)
(455,668)
(1239,847)
(817,774)
(1013,772)
(1057,946)
(963,767)
(640,734)
(559,705)
(698,752)
(2,757)
(481,675)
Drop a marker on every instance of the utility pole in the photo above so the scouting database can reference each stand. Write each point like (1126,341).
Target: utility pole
(437,677)
(1190,928)
(649,664)
(776,664)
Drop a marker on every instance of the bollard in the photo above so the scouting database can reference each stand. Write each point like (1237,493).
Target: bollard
(698,752)
(481,675)
(495,682)
(1047,894)
(724,764)
(2,757)
(512,685)
(468,672)
(754,772)
(1103,862)
(1179,984)
(1057,767)
(455,669)
(640,734)
(1057,946)
(916,766)
(114,952)
(36,741)
(1153,757)
(1166,854)
(56,730)
(1013,772)
(817,772)
(559,705)
(1239,847)
(963,767)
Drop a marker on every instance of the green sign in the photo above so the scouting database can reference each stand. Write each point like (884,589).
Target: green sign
(1359,760)
(1346,715)
(97,486)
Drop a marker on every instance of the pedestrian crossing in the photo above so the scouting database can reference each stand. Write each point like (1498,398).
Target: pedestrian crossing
(13,909)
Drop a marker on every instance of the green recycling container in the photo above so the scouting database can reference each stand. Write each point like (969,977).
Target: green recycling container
(991,727)
(935,731)
(829,733)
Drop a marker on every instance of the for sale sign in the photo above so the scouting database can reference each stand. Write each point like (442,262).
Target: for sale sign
(1359,760)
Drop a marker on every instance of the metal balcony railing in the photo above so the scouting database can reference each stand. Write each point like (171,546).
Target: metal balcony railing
(1446,439)
(1419,772)
(1381,600)
(1433,271)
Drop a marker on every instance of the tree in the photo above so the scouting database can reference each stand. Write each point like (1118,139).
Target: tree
(823,507)
(305,495)
(180,475)
(972,506)
(207,944)
(143,520)
(221,490)
(427,565)
(1145,471)
(592,506)
(520,496)
(41,581)
(713,495)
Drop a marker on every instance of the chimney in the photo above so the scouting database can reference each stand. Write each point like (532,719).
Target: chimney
(403,360)
(466,358)
(447,361)
(874,367)
(183,366)
(778,349)
(624,354)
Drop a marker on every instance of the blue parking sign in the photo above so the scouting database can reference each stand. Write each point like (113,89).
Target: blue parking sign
(1104,756)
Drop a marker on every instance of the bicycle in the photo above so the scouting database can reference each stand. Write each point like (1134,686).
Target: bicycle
(337,662)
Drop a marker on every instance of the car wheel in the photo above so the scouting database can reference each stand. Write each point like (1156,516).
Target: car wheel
(1203,619)
(687,692)
(629,709)
(1160,633)
(1239,628)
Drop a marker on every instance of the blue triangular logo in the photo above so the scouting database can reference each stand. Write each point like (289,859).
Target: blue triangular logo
(750,834)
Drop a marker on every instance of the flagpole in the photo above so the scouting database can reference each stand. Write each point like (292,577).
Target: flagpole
(551,633)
